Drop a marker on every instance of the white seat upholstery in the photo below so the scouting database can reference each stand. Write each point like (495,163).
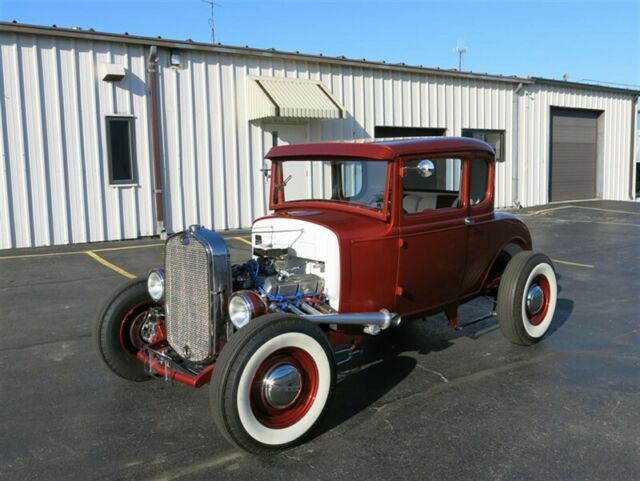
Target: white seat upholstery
(427,203)
(410,203)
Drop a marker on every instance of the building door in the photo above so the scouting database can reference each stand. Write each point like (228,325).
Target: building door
(573,168)
(289,134)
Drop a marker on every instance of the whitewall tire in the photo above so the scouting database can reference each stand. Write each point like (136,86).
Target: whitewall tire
(272,383)
(527,298)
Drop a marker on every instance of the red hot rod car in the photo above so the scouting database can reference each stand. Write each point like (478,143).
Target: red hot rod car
(363,237)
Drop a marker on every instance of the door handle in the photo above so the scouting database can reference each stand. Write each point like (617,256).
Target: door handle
(469,221)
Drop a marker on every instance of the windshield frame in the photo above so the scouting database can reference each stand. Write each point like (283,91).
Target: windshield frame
(276,195)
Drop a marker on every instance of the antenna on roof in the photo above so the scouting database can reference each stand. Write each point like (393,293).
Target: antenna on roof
(460,50)
(212,4)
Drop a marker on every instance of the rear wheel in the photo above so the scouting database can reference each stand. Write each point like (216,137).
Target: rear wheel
(527,298)
(272,383)
(123,328)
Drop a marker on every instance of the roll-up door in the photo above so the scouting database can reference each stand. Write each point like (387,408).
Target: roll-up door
(574,136)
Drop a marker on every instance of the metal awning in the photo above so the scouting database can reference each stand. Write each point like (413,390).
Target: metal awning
(276,97)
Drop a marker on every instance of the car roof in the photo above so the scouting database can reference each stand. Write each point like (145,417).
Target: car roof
(381,150)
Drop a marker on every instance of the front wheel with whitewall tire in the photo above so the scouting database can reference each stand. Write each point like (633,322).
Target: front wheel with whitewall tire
(272,382)
(527,298)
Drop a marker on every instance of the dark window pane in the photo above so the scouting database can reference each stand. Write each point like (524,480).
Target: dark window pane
(495,138)
(120,143)
(382,132)
(479,178)
(440,191)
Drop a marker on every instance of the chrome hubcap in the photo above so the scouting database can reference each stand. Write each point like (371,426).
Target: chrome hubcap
(535,299)
(282,385)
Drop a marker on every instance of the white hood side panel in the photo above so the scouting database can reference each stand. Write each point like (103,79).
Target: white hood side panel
(308,241)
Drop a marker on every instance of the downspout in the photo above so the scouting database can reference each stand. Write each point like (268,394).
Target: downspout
(154,129)
(516,140)
(634,136)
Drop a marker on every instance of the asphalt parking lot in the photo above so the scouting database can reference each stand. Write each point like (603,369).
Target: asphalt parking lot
(425,402)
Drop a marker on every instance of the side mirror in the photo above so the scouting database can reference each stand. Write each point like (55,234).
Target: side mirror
(426,168)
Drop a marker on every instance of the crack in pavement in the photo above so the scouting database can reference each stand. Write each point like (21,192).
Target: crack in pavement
(44,343)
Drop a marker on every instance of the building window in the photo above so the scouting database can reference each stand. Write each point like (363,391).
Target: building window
(495,138)
(382,132)
(122,154)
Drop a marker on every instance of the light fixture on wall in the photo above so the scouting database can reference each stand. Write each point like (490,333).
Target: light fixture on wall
(174,58)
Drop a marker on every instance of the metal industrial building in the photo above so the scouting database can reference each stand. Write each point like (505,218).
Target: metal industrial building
(106,137)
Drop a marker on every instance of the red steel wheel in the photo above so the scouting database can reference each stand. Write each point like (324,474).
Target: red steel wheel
(134,329)
(272,383)
(537,300)
(122,328)
(284,388)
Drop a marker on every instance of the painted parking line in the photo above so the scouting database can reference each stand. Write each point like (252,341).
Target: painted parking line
(110,265)
(573,264)
(242,239)
(70,253)
(103,249)
(48,254)
(597,209)
(124,248)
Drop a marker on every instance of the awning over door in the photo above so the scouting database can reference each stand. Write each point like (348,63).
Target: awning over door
(276,97)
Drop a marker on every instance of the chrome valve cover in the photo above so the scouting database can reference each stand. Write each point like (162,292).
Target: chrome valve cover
(197,286)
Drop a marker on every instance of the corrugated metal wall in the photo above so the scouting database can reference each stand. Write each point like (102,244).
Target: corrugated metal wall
(53,171)
(534,139)
(53,175)
(209,92)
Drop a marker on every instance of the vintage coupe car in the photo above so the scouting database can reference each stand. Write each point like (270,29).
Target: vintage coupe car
(362,237)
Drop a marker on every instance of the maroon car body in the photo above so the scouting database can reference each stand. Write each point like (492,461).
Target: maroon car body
(368,235)
(437,259)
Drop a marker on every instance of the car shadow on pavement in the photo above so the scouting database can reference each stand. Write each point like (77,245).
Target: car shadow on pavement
(361,387)
(383,366)
(564,309)
(386,363)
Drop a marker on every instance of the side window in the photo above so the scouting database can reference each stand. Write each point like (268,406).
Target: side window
(121,150)
(440,190)
(479,176)
(351,178)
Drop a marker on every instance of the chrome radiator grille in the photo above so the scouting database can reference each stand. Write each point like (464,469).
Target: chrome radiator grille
(188,297)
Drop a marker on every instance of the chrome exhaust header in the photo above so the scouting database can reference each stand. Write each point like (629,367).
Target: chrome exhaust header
(373,322)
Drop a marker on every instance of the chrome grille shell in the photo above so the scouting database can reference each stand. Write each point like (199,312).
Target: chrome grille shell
(197,287)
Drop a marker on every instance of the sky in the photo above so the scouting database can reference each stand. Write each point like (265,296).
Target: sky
(586,40)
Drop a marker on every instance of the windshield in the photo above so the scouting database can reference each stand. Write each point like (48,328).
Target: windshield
(351,181)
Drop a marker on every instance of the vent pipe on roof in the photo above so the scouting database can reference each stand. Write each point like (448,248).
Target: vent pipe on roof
(154,128)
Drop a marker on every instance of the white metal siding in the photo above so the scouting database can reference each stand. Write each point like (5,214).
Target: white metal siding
(370,96)
(53,160)
(535,113)
(53,170)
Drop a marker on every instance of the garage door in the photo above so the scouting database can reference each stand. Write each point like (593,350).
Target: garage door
(573,154)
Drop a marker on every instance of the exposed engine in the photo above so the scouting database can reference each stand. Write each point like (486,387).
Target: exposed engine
(283,281)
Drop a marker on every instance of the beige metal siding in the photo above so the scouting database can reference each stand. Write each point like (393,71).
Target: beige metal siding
(534,139)
(53,168)
(53,172)
(225,166)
